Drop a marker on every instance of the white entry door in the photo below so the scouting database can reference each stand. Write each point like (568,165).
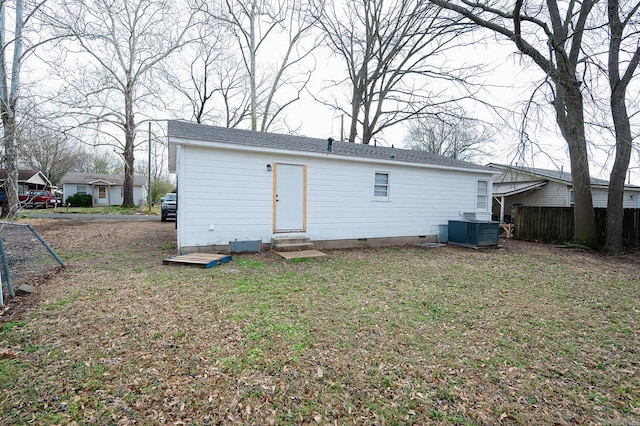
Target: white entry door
(289,198)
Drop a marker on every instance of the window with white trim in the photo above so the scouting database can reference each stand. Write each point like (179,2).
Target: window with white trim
(81,189)
(482,195)
(381,185)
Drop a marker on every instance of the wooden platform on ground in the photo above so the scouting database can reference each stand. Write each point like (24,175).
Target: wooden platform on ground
(203,260)
(300,254)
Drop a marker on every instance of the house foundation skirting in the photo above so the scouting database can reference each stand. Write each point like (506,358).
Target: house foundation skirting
(328,244)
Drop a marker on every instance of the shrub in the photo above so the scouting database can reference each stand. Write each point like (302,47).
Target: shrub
(79,200)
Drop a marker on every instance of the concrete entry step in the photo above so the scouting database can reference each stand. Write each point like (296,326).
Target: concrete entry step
(291,243)
(293,247)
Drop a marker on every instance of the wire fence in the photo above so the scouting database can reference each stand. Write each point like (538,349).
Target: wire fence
(26,258)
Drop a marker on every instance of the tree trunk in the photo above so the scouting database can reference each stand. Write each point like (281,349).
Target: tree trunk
(355,108)
(618,87)
(252,66)
(11,205)
(570,113)
(615,202)
(583,212)
(366,126)
(9,95)
(129,135)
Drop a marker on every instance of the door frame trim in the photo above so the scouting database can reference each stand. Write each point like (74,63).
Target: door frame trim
(304,198)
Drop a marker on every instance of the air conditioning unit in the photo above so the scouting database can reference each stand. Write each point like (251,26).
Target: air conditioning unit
(474,233)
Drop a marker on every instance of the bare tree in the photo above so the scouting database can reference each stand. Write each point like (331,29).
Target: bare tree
(202,86)
(271,30)
(233,93)
(212,80)
(49,152)
(101,161)
(552,37)
(126,41)
(15,48)
(393,52)
(624,49)
(455,137)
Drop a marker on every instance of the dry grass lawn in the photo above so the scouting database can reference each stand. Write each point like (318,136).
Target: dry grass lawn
(528,334)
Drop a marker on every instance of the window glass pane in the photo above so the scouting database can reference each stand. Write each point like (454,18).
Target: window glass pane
(380,191)
(381,185)
(382,179)
(81,189)
(481,201)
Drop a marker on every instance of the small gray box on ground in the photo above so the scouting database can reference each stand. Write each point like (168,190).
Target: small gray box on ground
(443,233)
(244,246)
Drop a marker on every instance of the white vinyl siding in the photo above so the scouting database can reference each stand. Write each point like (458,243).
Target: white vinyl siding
(339,197)
(599,197)
(550,195)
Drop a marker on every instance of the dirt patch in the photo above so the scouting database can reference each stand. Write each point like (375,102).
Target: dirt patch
(94,238)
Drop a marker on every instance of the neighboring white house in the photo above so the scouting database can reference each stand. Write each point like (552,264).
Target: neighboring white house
(238,185)
(27,180)
(105,189)
(546,188)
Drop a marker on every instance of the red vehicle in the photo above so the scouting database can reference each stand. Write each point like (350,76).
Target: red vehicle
(39,198)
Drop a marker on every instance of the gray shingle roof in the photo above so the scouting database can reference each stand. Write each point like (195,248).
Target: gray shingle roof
(205,133)
(23,175)
(88,178)
(557,175)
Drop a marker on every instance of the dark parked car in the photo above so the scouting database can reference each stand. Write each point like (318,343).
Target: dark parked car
(169,206)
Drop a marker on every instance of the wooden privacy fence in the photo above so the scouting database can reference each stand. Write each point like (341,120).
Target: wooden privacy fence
(555,225)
